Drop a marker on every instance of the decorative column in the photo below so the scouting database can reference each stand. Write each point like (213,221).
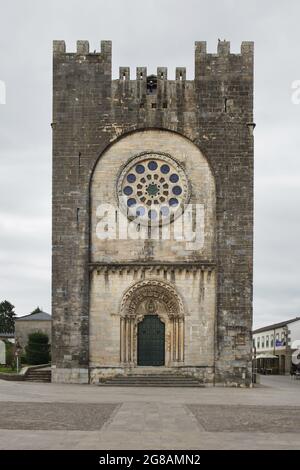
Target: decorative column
(181,339)
(171,339)
(177,339)
(131,339)
(126,340)
(174,339)
(122,339)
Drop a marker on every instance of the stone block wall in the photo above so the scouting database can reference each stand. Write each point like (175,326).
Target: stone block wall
(24,328)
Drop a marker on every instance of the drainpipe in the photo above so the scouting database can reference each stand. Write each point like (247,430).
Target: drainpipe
(274,346)
(286,348)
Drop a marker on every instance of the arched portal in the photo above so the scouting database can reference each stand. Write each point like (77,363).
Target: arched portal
(152,325)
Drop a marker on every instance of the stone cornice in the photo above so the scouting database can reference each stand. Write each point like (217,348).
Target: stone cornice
(204,265)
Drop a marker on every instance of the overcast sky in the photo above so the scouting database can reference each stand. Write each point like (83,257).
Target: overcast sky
(147,33)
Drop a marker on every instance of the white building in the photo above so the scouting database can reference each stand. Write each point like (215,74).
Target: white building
(277,340)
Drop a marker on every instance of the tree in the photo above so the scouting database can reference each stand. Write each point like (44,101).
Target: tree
(7,317)
(10,357)
(36,310)
(38,348)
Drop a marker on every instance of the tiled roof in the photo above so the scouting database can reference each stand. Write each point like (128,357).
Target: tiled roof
(35,316)
(275,325)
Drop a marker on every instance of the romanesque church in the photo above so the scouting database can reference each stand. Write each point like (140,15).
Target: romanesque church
(152,217)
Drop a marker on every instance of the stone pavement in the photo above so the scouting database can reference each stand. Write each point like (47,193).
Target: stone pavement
(57,416)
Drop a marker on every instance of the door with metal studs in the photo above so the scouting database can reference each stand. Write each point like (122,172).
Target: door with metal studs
(151,341)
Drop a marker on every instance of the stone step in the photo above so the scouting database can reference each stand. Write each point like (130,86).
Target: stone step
(38,380)
(38,375)
(157,376)
(155,384)
(151,381)
(156,370)
(39,372)
(155,380)
(151,384)
(148,379)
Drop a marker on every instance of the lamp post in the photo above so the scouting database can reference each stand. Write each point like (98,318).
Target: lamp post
(17,353)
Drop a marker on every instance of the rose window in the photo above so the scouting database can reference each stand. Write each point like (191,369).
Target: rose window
(152,186)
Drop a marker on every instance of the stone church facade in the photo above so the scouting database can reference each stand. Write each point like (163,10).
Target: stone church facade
(152,217)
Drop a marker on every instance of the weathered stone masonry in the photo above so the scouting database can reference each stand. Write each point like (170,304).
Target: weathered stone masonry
(92,116)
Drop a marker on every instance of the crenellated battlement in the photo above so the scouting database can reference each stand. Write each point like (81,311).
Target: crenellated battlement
(223,48)
(141,74)
(82,48)
(206,64)
(223,62)
(223,83)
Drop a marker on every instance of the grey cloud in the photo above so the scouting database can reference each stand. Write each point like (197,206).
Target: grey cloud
(152,33)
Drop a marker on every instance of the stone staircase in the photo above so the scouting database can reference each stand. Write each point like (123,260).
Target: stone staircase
(38,375)
(151,380)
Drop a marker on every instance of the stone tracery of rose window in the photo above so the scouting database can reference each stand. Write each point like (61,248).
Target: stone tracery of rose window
(152,187)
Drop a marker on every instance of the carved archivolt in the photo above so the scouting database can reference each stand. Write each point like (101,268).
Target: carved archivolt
(152,291)
(148,297)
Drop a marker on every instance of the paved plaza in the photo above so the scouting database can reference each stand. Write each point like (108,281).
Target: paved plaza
(58,416)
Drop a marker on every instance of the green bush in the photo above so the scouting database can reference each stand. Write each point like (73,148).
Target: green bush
(23,359)
(10,358)
(38,348)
